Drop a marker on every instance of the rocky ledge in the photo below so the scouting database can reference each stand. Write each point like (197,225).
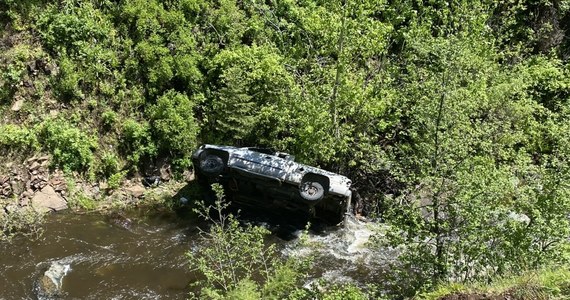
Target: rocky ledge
(33,185)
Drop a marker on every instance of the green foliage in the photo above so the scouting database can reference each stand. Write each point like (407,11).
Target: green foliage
(476,192)
(116,180)
(451,118)
(69,77)
(13,68)
(109,118)
(251,86)
(348,292)
(71,148)
(25,221)
(81,201)
(67,27)
(236,263)
(137,141)
(18,138)
(173,123)
(109,164)
(550,283)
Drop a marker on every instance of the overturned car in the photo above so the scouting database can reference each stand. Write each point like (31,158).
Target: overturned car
(261,178)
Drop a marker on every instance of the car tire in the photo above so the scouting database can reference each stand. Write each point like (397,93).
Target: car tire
(211,165)
(312,190)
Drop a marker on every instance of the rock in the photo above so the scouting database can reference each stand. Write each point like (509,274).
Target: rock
(47,199)
(49,285)
(103,185)
(188,176)
(58,187)
(11,208)
(55,181)
(35,165)
(120,221)
(51,69)
(4,178)
(40,63)
(17,187)
(43,158)
(136,191)
(18,104)
(6,191)
(23,202)
(165,173)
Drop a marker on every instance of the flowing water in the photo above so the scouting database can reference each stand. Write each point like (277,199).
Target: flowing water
(136,257)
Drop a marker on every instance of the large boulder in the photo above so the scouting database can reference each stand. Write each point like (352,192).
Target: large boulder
(136,190)
(48,200)
(50,283)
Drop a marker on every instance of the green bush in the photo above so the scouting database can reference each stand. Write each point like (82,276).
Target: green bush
(109,118)
(137,141)
(116,180)
(173,123)
(18,138)
(109,164)
(22,221)
(72,149)
(66,27)
(13,67)
(236,263)
(67,82)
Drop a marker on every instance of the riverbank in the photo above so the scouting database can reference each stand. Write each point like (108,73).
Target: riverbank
(30,189)
(548,283)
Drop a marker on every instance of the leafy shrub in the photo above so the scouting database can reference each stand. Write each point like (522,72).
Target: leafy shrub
(250,270)
(18,138)
(82,201)
(13,67)
(109,118)
(64,28)
(137,141)
(72,149)
(67,82)
(24,221)
(109,164)
(116,180)
(173,123)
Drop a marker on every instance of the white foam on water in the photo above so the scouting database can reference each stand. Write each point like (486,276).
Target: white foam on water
(56,272)
(350,243)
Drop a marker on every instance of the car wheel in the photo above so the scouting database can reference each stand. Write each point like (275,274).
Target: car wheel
(211,165)
(312,190)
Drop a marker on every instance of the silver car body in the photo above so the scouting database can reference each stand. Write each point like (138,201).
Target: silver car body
(278,169)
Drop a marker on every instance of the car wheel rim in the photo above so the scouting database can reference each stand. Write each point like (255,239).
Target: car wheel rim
(312,190)
(211,165)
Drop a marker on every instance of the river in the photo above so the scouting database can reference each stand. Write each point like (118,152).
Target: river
(141,256)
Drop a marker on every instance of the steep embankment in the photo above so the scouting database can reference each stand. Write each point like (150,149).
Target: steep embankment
(450,117)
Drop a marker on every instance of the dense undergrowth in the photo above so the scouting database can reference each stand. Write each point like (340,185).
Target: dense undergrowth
(451,117)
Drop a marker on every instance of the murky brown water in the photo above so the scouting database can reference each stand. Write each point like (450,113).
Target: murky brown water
(109,258)
(114,258)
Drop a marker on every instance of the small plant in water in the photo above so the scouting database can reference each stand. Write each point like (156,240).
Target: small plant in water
(235,262)
(23,221)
